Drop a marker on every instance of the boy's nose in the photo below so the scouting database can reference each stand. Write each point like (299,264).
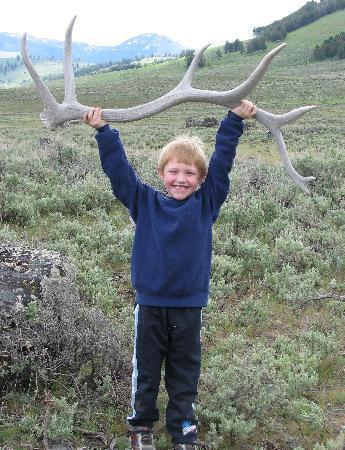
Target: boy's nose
(180,177)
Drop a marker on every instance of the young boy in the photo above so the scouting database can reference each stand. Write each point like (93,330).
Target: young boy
(171,260)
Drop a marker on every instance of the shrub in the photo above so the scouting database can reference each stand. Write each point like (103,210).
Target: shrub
(246,386)
(292,287)
(328,171)
(292,252)
(250,313)
(7,235)
(241,390)
(306,412)
(31,424)
(328,244)
(320,344)
(226,268)
(62,341)
(332,444)
(61,420)
(18,210)
(254,255)
(297,365)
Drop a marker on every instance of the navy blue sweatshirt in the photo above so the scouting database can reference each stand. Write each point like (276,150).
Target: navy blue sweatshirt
(171,254)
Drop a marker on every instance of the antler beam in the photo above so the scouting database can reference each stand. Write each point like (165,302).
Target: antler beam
(55,114)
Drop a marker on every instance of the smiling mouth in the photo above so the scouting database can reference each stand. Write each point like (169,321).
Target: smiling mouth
(180,188)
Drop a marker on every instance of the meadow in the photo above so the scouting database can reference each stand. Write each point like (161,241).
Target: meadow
(20,76)
(273,365)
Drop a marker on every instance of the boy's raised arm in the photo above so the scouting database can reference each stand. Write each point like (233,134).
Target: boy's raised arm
(124,181)
(227,138)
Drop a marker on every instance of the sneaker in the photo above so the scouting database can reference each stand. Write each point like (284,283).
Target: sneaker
(141,438)
(192,446)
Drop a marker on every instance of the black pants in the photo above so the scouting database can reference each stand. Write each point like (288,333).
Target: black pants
(173,335)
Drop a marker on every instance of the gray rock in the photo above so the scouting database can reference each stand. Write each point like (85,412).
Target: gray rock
(28,274)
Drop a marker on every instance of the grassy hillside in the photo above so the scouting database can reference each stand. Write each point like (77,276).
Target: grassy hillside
(318,31)
(20,75)
(273,349)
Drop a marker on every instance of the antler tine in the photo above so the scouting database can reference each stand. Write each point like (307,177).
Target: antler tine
(274,123)
(46,95)
(278,120)
(54,113)
(244,89)
(70,96)
(187,79)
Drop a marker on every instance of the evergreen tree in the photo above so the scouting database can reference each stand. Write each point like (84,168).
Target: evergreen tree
(341,51)
(227,47)
(256,44)
(236,46)
(333,47)
(189,55)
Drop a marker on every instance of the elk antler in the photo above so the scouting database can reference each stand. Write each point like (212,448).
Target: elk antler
(55,114)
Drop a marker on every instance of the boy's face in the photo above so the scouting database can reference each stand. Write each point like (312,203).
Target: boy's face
(180,180)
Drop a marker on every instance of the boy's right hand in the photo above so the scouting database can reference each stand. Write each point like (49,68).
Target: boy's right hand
(246,109)
(93,117)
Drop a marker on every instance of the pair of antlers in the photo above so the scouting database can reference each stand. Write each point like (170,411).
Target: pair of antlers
(55,114)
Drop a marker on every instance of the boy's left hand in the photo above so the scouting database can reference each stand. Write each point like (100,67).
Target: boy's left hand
(246,109)
(93,117)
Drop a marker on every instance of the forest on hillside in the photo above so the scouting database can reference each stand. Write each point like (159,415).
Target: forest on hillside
(279,29)
(308,13)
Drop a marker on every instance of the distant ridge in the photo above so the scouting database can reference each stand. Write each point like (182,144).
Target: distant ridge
(141,46)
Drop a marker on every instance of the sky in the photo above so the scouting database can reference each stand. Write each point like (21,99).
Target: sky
(192,23)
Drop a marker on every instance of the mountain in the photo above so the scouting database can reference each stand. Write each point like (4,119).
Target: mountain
(141,46)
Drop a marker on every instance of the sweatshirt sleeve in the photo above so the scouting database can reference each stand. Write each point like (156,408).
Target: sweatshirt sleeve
(217,181)
(125,184)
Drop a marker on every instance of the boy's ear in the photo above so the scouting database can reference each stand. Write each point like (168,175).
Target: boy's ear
(202,179)
(160,174)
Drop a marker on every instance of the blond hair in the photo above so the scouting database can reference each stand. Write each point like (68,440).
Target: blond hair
(186,150)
